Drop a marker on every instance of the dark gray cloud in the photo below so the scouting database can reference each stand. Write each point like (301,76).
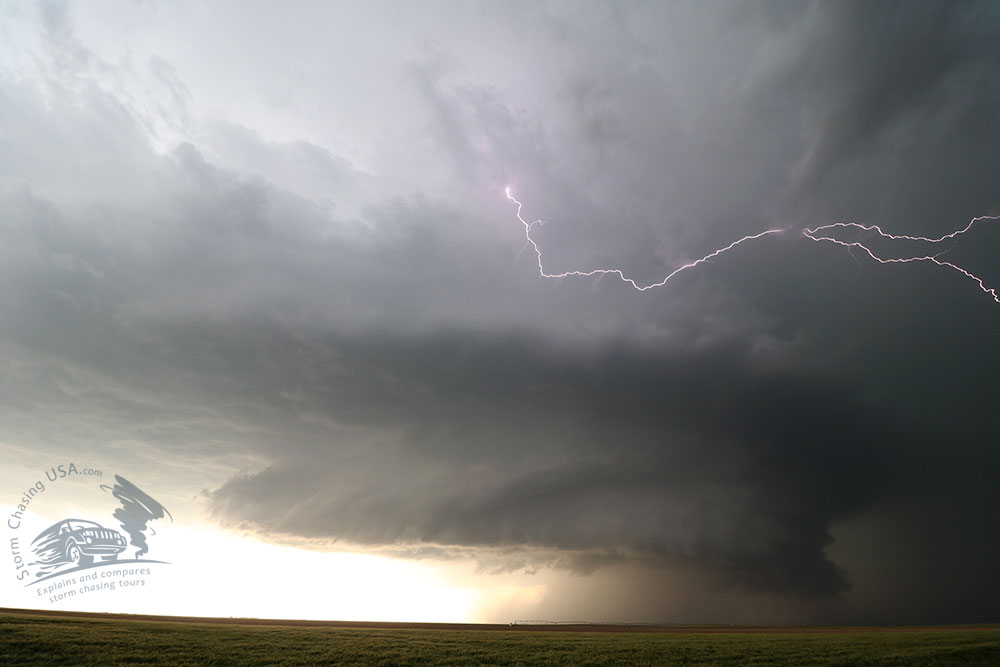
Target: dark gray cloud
(335,338)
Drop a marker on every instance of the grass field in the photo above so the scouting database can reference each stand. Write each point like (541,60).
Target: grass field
(50,639)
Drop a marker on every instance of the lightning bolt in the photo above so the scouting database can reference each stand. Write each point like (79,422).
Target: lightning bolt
(528,226)
(818,234)
(815,235)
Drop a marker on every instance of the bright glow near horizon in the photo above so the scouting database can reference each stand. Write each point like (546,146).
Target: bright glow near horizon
(215,572)
(249,577)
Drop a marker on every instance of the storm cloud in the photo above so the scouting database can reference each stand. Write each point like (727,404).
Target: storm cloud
(301,280)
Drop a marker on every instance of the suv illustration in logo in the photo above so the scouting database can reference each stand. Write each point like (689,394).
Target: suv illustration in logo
(77,541)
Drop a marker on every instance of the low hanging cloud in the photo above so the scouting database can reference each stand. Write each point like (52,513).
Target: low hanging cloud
(501,444)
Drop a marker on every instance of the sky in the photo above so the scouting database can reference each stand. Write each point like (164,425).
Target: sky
(258,260)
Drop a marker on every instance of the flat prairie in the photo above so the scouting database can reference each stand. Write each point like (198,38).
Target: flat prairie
(71,638)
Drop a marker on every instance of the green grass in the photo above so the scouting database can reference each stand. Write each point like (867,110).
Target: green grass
(48,640)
